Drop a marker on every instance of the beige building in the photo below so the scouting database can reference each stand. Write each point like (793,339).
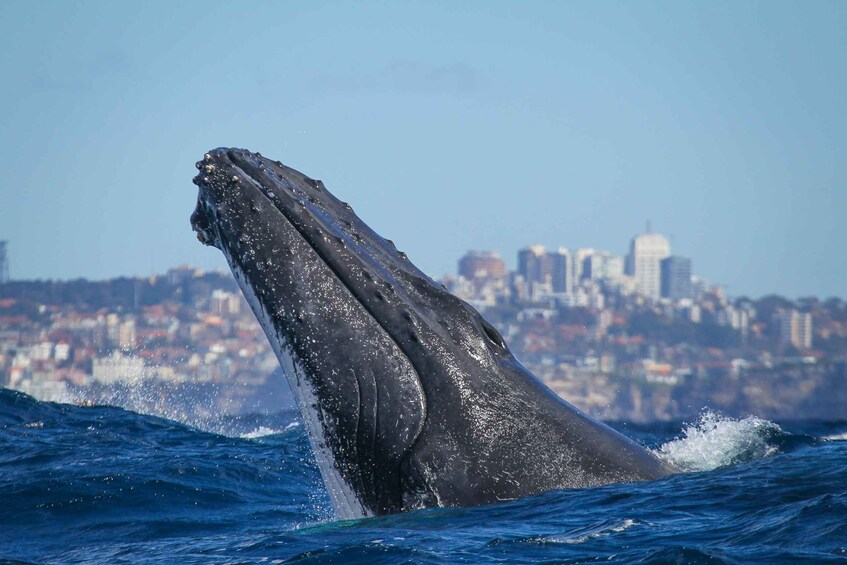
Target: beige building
(644,262)
(795,328)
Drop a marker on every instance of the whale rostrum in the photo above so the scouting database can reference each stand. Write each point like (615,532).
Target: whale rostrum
(410,398)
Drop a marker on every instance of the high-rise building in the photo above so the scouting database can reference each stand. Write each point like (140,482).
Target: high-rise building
(482,265)
(795,328)
(676,277)
(545,272)
(530,263)
(560,277)
(644,262)
(602,265)
(576,271)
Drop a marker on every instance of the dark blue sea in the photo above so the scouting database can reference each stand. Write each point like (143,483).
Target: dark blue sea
(102,484)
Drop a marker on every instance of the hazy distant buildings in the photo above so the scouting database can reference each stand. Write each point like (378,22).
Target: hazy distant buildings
(602,265)
(225,303)
(482,265)
(577,268)
(531,264)
(561,278)
(180,275)
(119,333)
(563,273)
(483,279)
(536,270)
(127,335)
(644,262)
(676,277)
(116,368)
(545,272)
(795,328)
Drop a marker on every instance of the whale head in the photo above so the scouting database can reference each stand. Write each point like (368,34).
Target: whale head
(409,396)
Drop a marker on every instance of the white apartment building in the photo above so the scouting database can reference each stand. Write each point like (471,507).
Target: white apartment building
(644,262)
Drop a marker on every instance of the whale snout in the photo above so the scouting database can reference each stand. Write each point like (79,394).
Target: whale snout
(217,181)
(203,226)
(202,220)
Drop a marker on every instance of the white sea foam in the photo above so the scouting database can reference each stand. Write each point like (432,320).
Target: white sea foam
(836,437)
(591,532)
(716,441)
(263,431)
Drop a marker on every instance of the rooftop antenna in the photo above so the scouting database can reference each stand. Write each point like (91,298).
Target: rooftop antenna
(648,227)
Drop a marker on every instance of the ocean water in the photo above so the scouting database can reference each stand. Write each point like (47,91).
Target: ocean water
(106,485)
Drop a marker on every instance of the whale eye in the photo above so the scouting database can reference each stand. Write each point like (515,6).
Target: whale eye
(493,335)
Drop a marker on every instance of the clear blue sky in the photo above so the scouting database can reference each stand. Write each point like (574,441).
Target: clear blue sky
(448,126)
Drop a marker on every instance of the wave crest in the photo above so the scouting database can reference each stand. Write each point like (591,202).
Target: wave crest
(717,441)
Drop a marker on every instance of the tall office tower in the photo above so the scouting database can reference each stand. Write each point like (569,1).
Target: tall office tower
(482,265)
(676,277)
(795,328)
(544,272)
(579,257)
(645,262)
(531,264)
(559,263)
(4,263)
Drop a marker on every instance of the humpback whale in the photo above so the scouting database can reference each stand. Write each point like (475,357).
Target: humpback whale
(410,398)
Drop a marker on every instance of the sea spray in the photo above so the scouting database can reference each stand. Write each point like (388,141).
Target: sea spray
(717,441)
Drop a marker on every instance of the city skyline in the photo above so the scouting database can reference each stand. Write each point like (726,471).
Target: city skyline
(514,267)
(193,333)
(454,127)
(581,276)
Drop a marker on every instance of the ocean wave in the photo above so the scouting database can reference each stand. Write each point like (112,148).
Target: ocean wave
(97,484)
(717,441)
(589,533)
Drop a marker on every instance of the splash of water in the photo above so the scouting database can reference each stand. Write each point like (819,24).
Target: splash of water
(717,441)
(263,431)
(196,408)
